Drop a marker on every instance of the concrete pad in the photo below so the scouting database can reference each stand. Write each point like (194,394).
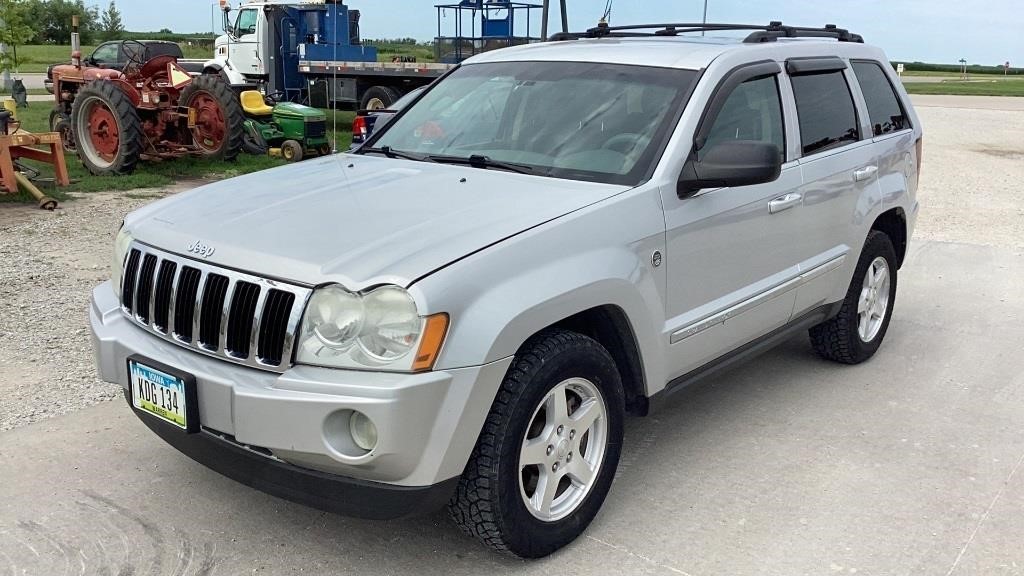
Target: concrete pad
(909,464)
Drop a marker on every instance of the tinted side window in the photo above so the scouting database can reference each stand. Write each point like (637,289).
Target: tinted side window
(106,54)
(824,105)
(884,107)
(162,49)
(752,112)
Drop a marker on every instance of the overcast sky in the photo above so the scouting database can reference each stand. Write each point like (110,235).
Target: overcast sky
(983,31)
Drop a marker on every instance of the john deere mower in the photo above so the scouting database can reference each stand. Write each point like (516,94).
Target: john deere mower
(293,130)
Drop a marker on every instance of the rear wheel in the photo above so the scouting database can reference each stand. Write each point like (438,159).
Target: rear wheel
(252,141)
(547,454)
(106,129)
(219,130)
(380,98)
(855,334)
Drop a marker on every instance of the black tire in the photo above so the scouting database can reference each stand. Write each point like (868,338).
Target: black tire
(60,123)
(253,142)
(488,504)
(230,115)
(838,339)
(292,151)
(385,95)
(129,140)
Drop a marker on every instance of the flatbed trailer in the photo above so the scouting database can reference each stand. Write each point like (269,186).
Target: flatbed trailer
(369,85)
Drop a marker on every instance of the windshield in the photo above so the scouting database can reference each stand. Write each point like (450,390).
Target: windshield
(577,120)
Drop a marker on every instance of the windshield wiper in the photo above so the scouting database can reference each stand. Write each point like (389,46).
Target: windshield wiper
(481,161)
(392,153)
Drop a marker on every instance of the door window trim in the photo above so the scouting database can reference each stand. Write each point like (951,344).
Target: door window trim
(725,88)
(895,92)
(845,73)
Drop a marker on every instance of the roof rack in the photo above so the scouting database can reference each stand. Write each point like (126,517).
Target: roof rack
(759,34)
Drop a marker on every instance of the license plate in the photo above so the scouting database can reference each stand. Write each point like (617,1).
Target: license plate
(163,394)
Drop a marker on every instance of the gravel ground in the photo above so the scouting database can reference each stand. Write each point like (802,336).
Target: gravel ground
(50,262)
(971,178)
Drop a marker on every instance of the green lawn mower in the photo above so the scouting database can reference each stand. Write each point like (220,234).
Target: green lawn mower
(290,130)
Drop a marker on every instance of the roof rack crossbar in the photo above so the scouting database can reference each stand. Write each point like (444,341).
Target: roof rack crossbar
(773,31)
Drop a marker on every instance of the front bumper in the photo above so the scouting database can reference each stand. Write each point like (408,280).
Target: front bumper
(427,423)
(348,496)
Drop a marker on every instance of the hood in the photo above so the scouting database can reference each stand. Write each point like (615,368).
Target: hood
(357,220)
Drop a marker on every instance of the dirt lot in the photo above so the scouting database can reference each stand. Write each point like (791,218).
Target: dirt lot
(49,263)
(910,464)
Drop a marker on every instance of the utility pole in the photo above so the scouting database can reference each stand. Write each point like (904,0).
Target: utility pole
(5,77)
(705,20)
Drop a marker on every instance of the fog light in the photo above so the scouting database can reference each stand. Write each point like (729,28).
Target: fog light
(364,432)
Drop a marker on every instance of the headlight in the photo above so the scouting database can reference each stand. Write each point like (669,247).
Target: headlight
(121,244)
(378,329)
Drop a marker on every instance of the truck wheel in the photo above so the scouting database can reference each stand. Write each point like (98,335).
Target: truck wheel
(855,334)
(380,98)
(548,450)
(60,123)
(292,151)
(106,129)
(219,119)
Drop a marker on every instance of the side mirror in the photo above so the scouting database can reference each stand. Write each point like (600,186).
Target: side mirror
(729,164)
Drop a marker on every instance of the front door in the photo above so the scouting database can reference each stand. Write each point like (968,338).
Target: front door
(731,269)
(244,48)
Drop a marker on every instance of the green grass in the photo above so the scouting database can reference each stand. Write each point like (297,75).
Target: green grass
(31,92)
(979,88)
(944,74)
(36,58)
(156,174)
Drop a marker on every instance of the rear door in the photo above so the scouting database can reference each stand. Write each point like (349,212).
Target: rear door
(892,131)
(840,174)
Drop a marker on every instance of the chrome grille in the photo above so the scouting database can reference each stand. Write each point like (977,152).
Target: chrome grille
(231,315)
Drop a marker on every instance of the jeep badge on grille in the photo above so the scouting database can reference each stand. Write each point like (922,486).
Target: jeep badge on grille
(200,249)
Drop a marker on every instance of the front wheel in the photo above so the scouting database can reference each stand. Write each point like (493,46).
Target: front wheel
(292,151)
(60,123)
(107,131)
(854,335)
(547,454)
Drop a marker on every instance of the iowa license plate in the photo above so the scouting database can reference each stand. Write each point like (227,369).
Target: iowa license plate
(167,396)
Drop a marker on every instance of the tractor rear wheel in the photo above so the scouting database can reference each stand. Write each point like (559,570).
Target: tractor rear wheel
(220,122)
(106,129)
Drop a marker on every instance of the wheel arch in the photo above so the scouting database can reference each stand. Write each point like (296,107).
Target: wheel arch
(893,223)
(610,327)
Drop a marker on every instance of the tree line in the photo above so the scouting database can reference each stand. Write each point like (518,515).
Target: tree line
(49,22)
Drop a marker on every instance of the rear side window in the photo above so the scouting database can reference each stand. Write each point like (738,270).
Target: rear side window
(824,105)
(163,49)
(752,112)
(887,115)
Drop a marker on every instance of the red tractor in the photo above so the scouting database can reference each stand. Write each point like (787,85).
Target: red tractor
(151,109)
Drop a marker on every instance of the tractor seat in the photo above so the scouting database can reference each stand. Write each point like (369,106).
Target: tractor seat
(254,105)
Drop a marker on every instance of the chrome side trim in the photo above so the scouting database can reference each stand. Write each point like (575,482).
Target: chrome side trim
(735,310)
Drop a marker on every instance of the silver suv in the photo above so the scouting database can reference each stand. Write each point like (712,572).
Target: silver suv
(465,309)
